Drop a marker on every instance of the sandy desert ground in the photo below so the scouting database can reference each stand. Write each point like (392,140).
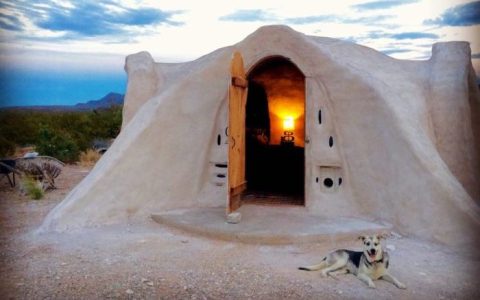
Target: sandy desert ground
(148,261)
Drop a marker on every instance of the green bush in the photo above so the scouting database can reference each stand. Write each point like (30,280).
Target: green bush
(58,144)
(61,134)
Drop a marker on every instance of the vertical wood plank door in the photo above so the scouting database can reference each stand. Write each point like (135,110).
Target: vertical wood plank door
(236,132)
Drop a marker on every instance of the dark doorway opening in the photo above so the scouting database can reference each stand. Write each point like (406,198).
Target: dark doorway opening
(274,166)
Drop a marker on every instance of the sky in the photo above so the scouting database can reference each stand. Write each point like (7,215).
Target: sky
(55,52)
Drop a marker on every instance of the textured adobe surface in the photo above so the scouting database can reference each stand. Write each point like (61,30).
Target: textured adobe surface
(404,143)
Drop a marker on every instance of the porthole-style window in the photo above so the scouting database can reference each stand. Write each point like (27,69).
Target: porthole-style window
(330,141)
(219,139)
(328,182)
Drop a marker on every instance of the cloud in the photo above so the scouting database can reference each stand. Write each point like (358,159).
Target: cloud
(92,18)
(312,19)
(382,4)
(393,51)
(377,34)
(248,15)
(460,15)
(9,22)
(413,35)
(337,19)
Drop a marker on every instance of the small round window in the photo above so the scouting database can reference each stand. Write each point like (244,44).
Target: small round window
(328,182)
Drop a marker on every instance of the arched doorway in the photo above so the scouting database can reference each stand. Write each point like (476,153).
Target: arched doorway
(275,133)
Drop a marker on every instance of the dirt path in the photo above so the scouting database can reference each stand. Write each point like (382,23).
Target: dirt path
(152,262)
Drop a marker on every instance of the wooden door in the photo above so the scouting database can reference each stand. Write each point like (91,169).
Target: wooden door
(236,132)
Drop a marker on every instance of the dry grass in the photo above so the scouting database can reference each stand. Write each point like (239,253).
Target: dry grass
(89,158)
(33,188)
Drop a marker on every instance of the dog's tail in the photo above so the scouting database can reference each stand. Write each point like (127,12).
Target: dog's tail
(317,267)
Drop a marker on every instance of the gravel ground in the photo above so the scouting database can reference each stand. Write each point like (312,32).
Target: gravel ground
(148,261)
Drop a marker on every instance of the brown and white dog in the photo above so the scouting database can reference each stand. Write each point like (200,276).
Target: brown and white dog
(368,265)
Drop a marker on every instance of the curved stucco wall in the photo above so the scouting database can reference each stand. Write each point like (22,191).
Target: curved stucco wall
(380,117)
(449,99)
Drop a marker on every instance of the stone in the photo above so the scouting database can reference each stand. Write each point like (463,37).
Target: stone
(234,218)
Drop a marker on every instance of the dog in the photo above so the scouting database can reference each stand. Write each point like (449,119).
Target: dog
(368,265)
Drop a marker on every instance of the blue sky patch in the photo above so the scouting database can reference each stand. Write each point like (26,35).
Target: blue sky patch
(248,15)
(24,88)
(414,35)
(394,51)
(370,20)
(460,15)
(312,19)
(383,4)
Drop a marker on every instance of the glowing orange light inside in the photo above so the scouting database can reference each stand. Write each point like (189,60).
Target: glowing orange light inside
(288,124)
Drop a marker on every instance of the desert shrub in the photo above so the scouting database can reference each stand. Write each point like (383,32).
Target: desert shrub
(62,134)
(32,188)
(89,157)
(58,144)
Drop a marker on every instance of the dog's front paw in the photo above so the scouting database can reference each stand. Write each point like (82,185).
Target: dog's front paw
(371,285)
(324,274)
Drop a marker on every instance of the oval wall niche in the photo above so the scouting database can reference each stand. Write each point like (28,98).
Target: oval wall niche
(328,182)
(330,141)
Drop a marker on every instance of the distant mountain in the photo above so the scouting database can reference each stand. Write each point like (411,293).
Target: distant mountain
(111,99)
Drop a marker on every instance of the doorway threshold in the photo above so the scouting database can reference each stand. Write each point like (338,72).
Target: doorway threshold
(269,198)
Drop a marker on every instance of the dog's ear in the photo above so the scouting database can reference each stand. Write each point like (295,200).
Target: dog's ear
(362,237)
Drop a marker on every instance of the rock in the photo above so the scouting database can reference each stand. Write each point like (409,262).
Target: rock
(234,218)
(129,291)
(147,282)
(395,235)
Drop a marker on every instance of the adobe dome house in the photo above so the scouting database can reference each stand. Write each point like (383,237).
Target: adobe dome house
(327,126)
